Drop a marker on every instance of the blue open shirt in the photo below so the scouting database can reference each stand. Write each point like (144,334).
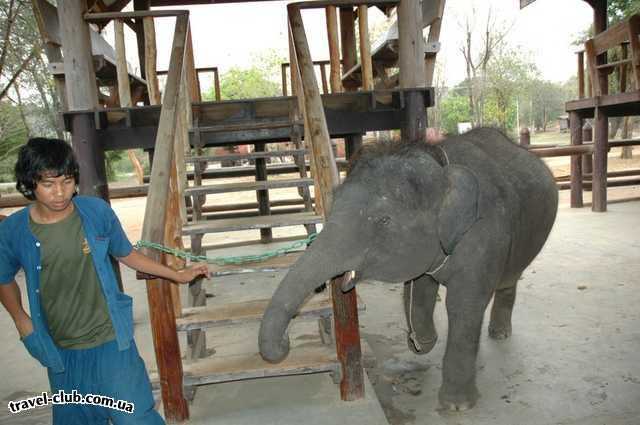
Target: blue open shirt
(19,248)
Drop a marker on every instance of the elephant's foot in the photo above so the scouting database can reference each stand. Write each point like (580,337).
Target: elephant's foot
(422,345)
(458,401)
(499,331)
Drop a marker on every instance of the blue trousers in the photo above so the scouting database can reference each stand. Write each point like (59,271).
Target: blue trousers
(106,371)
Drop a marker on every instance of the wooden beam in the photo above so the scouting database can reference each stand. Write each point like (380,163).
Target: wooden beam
(192,75)
(139,29)
(365,47)
(600,139)
(334,49)
(159,294)
(98,18)
(581,75)
(327,178)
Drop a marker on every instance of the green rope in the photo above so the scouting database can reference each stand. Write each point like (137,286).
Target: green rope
(221,261)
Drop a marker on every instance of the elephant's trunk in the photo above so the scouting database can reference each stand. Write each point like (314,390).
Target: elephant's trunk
(321,262)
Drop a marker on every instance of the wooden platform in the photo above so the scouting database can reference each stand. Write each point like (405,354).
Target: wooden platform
(613,105)
(347,113)
(262,222)
(247,186)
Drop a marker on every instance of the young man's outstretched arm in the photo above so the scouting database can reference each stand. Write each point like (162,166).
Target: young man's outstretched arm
(142,263)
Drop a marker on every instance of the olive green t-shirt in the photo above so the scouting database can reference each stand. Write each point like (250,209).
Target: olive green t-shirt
(70,292)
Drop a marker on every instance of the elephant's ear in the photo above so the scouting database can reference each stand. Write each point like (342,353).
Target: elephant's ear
(459,209)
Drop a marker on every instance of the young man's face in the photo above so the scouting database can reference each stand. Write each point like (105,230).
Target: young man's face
(55,193)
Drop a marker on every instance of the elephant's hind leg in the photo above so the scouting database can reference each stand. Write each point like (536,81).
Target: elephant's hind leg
(503,301)
(419,301)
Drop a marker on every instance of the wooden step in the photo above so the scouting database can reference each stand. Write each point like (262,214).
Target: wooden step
(247,186)
(282,262)
(245,126)
(251,311)
(243,312)
(313,357)
(252,155)
(248,223)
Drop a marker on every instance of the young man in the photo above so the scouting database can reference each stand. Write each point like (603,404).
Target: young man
(81,325)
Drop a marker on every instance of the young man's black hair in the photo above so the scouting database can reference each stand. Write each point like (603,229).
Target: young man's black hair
(39,156)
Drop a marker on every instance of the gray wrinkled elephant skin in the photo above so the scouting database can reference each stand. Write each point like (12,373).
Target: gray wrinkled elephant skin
(470,213)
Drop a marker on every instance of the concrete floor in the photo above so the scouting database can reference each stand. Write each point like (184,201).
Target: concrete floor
(573,357)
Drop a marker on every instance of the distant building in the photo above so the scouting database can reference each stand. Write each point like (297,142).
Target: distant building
(563,123)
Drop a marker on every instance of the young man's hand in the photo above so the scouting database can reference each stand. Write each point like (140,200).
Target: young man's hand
(188,274)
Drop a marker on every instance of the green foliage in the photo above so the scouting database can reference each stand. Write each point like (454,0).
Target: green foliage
(454,109)
(13,134)
(509,75)
(618,10)
(261,79)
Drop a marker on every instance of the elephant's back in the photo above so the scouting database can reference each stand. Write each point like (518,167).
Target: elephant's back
(523,182)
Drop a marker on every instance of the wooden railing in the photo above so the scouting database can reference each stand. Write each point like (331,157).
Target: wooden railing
(165,211)
(624,35)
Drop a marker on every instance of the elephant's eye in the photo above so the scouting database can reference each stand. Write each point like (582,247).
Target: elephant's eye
(384,220)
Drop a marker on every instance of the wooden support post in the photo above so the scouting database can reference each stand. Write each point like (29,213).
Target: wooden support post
(165,337)
(525,137)
(140,5)
(587,160)
(411,63)
(150,58)
(348,44)
(124,89)
(334,49)
(365,47)
(327,178)
(601,142)
(323,77)
(266,235)
(216,82)
(283,69)
(575,123)
(82,94)
(600,25)
(580,75)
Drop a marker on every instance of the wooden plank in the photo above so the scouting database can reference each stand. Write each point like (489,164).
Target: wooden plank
(313,357)
(243,312)
(562,151)
(247,186)
(279,263)
(316,4)
(246,126)
(102,18)
(124,89)
(365,47)
(263,222)
(327,178)
(252,155)
(611,37)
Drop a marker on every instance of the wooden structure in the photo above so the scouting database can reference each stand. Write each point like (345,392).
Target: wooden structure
(176,128)
(596,102)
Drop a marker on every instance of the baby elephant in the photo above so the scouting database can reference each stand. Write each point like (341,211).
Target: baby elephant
(469,213)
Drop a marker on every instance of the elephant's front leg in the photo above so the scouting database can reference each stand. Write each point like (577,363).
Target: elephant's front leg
(419,301)
(466,303)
